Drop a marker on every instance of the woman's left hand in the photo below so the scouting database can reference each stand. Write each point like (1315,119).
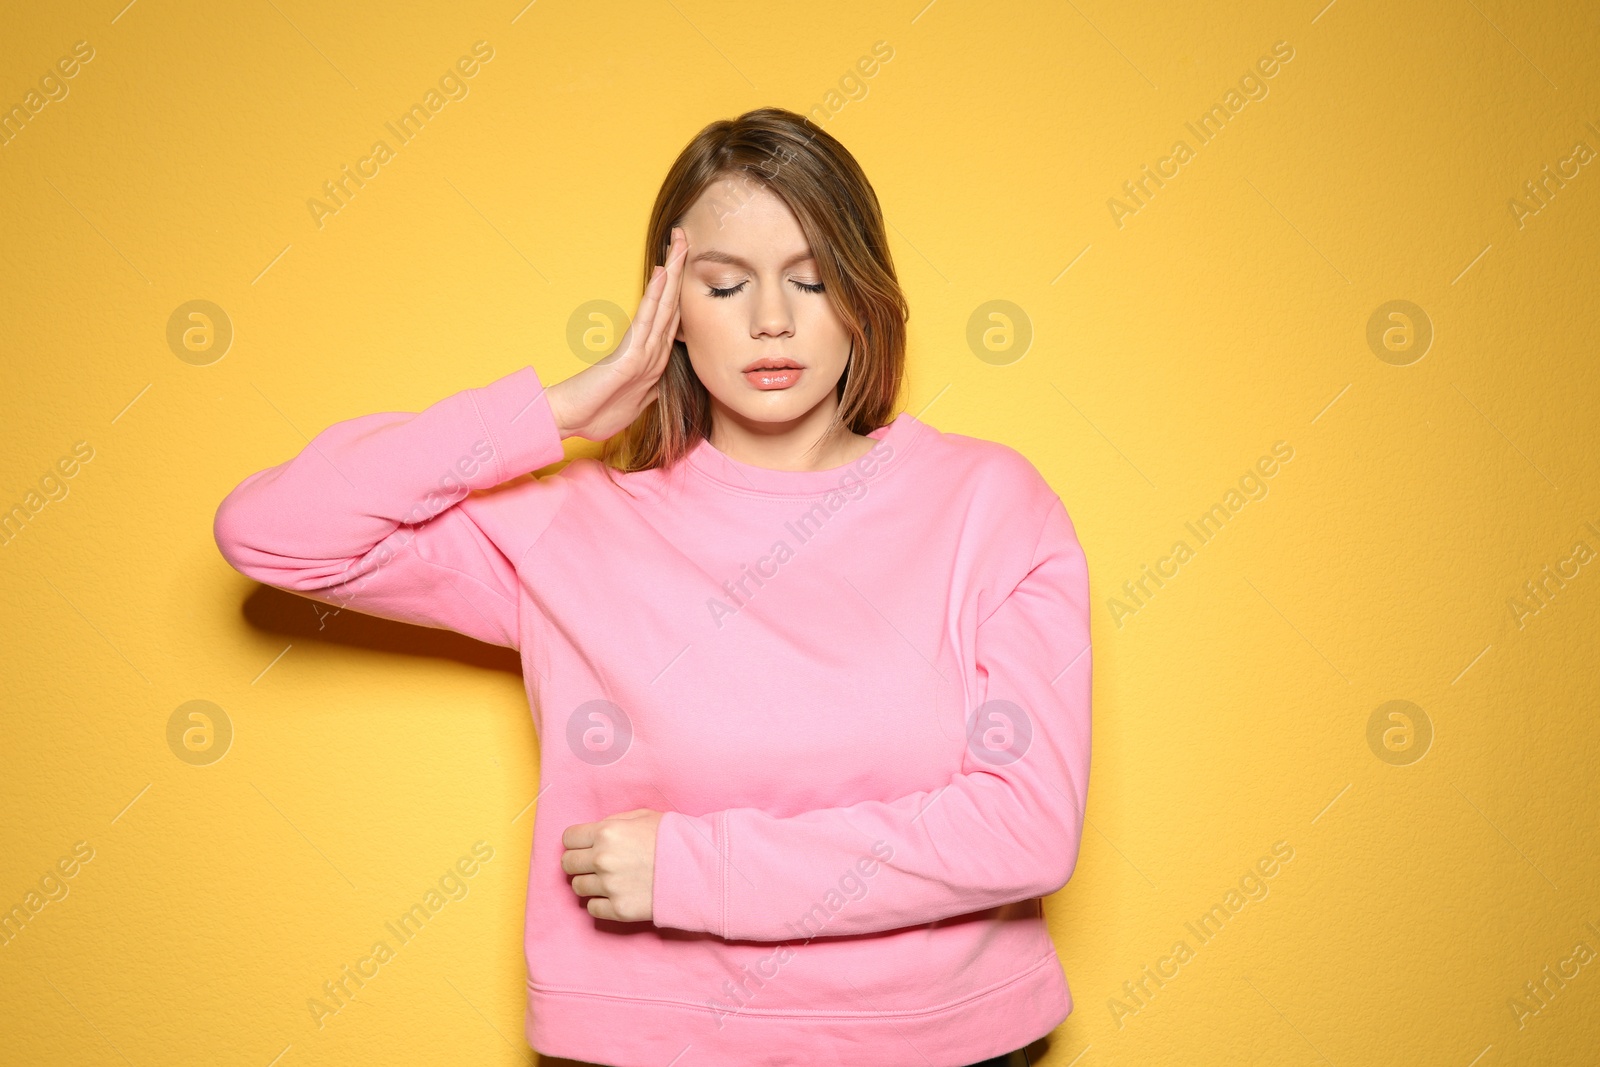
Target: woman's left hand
(615,863)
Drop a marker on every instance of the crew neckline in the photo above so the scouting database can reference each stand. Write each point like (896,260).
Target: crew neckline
(707,460)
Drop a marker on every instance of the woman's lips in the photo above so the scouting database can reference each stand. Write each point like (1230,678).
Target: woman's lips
(773,377)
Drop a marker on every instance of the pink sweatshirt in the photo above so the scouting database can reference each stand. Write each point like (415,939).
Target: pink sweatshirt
(860,696)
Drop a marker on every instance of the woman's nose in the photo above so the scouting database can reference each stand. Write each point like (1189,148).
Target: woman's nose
(772,316)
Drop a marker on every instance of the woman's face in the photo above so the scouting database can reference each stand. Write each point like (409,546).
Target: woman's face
(752,296)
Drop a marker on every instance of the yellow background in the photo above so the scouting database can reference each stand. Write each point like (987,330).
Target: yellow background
(1228,313)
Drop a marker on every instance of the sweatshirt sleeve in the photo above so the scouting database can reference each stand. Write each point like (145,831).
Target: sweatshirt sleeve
(1005,828)
(376,512)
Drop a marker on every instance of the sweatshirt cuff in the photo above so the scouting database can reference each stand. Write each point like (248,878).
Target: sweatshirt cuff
(521,427)
(689,891)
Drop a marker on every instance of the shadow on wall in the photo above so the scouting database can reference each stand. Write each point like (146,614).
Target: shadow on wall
(299,620)
(1033,1053)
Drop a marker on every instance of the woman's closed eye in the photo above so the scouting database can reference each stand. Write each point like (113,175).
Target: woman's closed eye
(808,287)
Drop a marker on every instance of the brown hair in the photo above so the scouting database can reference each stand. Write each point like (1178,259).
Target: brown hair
(838,212)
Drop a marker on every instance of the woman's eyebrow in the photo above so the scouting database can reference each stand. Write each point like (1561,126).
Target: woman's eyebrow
(717,256)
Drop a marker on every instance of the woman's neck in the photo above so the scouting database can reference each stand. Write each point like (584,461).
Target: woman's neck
(786,446)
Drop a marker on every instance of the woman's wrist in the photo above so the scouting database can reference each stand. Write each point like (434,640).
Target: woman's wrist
(553,396)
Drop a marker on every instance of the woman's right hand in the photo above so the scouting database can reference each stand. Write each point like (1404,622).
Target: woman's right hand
(605,398)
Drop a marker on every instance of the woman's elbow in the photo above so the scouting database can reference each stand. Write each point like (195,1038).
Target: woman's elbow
(1054,857)
(239,530)
(1060,873)
(229,530)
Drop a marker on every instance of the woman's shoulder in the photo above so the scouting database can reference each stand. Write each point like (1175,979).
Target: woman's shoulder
(989,468)
(1002,501)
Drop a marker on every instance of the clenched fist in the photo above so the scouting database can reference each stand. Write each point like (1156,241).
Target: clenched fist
(615,863)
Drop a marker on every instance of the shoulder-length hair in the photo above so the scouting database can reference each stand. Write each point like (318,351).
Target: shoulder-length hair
(792,157)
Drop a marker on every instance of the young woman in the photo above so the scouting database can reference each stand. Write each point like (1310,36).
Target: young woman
(811,684)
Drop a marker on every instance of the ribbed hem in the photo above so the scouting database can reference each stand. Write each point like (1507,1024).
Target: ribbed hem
(625,1031)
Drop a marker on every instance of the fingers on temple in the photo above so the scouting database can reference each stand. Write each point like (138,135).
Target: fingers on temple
(647,305)
(664,320)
